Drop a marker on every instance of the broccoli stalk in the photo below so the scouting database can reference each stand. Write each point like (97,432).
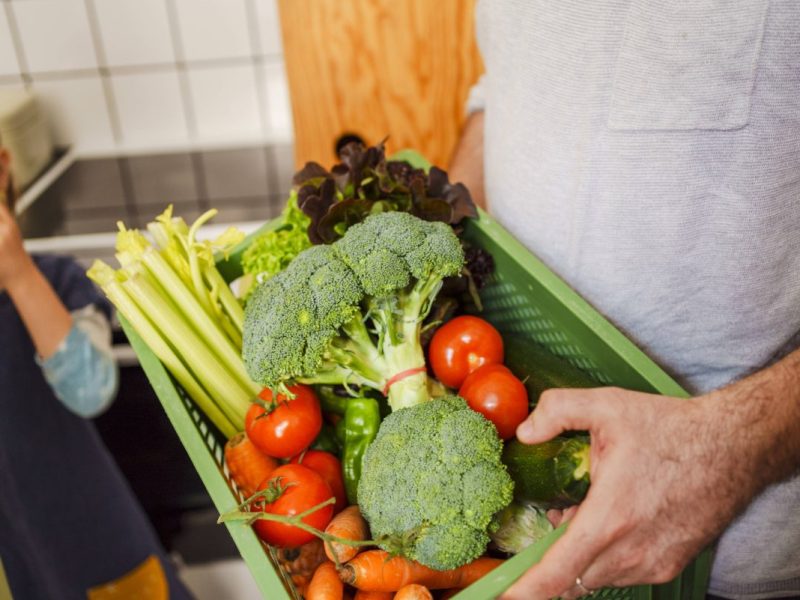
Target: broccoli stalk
(400,320)
(351,359)
(351,313)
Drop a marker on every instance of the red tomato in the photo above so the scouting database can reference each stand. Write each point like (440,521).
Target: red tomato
(462,345)
(329,467)
(494,392)
(302,489)
(290,427)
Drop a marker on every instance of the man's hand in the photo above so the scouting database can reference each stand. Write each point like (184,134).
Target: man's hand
(665,481)
(14,261)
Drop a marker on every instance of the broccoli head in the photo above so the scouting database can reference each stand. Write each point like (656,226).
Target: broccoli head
(432,481)
(351,313)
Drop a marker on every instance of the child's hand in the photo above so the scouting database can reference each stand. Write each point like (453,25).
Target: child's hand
(14,261)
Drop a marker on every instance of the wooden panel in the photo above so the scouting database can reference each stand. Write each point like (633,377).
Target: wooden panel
(401,68)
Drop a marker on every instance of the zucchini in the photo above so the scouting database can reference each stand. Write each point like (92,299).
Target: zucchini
(539,369)
(554,474)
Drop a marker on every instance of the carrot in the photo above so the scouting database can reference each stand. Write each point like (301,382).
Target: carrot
(247,464)
(303,560)
(413,591)
(364,595)
(449,593)
(300,583)
(376,571)
(349,525)
(325,585)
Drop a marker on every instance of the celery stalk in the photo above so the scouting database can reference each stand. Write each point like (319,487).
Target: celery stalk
(200,289)
(175,297)
(104,276)
(228,301)
(224,320)
(220,303)
(176,242)
(200,320)
(220,383)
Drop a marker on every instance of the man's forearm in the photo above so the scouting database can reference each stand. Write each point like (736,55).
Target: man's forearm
(466,164)
(764,415)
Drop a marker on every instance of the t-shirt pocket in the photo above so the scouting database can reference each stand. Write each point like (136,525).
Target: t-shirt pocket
(687,64)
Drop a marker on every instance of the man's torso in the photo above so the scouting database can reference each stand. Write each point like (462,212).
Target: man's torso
(649,152)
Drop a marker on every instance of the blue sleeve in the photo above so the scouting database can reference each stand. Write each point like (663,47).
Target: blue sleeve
(83,376)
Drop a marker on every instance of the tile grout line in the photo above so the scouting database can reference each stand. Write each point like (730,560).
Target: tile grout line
(102,70)
(254,33)
(272,172)
(200,181)
(19,47)
(261,93)
(189,114)
(206,63)
(128,191)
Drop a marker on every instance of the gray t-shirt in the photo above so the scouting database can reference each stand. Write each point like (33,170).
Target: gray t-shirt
(649,153)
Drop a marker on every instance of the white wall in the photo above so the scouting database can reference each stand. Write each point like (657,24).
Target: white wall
(139,75)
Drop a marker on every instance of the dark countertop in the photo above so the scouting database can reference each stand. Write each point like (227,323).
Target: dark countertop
(245,184)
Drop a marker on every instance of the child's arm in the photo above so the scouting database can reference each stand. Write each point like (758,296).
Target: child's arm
(45,317)
(75,359)
(82,372)
(29,290)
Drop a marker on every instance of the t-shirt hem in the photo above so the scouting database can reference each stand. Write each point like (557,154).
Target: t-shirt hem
(788,588)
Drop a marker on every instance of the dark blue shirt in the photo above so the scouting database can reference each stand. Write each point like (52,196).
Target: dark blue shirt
(68,520)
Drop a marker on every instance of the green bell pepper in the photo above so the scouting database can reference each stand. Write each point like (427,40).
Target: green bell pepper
(330,401)
(361,420)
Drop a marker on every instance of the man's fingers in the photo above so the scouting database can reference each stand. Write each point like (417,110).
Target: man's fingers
(561,410)
(562,564)
(557,517)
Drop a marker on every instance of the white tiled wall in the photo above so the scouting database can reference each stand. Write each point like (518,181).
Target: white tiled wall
(149,107)
(212,29)
(119,75)
(55,35)
(135,32)
(78,110)
(225,100)
(8,58)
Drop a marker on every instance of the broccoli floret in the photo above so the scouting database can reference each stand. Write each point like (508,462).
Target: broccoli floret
(351,313)
(432,481)
(304,304)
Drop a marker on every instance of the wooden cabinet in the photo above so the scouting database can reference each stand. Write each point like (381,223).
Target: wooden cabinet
(401,68)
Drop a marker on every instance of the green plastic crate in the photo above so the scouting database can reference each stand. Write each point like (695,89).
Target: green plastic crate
(526,298)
